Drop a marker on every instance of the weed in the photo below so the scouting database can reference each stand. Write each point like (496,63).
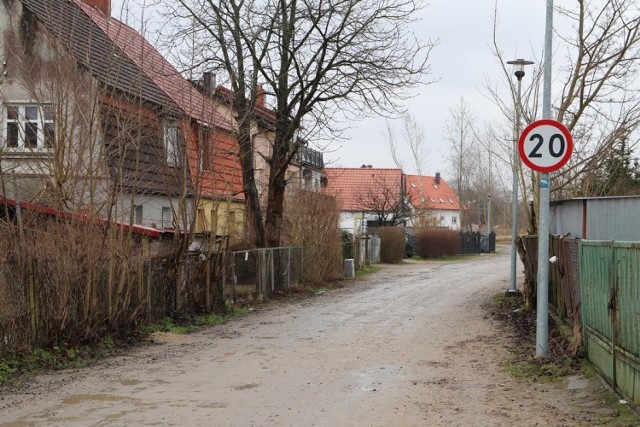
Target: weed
(367,271)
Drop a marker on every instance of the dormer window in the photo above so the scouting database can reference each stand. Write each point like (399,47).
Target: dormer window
(29,126)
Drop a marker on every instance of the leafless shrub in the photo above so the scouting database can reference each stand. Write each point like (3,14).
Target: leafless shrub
(311,221)
(437,242)
(392,244)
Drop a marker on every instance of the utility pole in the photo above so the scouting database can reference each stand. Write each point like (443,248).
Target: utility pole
(542,305)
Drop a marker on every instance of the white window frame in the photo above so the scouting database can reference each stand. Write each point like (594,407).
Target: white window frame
(138,214)
(44,117)
(171,138)
(167,218)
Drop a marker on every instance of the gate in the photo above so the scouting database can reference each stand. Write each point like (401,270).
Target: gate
(610,287)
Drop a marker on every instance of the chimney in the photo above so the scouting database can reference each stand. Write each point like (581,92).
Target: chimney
(209,83)
(438,178)
(260,96)
(102,5)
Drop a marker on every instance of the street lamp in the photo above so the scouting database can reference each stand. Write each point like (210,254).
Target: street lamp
(519,65)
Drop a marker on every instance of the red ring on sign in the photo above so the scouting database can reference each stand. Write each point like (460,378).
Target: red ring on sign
(545,122)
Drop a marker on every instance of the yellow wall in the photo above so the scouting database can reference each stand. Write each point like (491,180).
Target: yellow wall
(223,217)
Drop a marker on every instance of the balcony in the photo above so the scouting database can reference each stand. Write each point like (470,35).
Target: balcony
(309,157)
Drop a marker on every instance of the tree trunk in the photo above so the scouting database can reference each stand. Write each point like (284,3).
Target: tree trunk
(253,213)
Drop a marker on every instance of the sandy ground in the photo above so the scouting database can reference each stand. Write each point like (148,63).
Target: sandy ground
(411,346)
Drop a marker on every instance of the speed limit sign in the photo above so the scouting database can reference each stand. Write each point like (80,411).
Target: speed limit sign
(545,145)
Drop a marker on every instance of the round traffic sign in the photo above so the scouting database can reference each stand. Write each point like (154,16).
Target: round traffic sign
(545,145)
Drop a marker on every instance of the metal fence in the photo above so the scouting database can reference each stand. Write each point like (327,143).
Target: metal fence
(610,287)
(475,243)
(258,273)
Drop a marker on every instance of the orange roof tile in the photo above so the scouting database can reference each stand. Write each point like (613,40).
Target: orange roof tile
(425,193)
(352,186)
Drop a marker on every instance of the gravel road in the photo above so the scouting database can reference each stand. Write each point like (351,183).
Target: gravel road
(410,346)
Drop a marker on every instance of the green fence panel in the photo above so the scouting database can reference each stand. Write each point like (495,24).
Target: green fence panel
(595,283)
(610,287)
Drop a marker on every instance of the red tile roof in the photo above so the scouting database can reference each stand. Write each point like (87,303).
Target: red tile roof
(425,193)
(157,68)
(351,185)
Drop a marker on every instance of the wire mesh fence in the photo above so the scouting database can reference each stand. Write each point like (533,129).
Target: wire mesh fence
(261,272)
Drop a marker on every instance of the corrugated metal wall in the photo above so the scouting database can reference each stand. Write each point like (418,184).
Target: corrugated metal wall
(609,218)
(566,218)
(610,287)
(613,219)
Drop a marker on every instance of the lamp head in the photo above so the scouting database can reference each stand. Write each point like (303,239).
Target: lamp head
(518,65)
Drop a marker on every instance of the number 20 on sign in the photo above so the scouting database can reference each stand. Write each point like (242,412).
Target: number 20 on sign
(545,145)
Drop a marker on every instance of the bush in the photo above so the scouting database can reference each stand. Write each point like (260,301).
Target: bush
(311,220)
(347,246)
(437,242)
(392,244)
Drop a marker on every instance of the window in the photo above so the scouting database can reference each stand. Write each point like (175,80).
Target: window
(171,142)
(454,220)
(214,221)
(167,218)
(29,126)
(137,215)
(231,220)
(202,220)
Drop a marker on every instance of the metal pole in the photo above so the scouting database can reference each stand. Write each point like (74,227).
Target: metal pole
(542,306)
(513,289)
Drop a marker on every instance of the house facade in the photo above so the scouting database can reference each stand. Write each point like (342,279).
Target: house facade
(96,120)
(205,144)
(83,128)
(366,195)
(434,202)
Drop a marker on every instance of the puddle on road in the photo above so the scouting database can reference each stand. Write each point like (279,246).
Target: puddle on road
(82,398)
(245,386)
(129,382)
(214,405)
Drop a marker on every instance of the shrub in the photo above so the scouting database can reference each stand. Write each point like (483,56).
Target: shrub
(311,220)
(347,245)
(437,242)
(392,244)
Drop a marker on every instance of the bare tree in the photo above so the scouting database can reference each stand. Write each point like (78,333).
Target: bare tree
(411,136)
(386,200)
(600,97)
(319,60)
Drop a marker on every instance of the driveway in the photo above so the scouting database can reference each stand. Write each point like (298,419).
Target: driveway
(410,346)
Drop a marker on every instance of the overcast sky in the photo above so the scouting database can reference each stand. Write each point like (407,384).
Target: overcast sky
(462,62)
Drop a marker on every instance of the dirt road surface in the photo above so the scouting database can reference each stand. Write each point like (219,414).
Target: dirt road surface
(411,346)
